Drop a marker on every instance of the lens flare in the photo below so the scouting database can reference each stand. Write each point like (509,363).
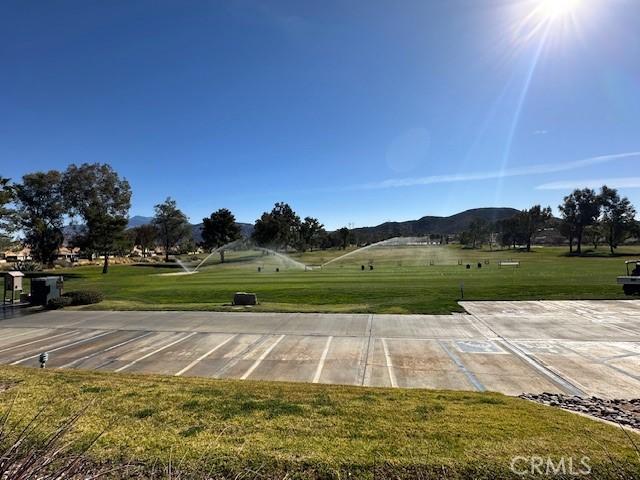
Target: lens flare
(555,9)
(563,18)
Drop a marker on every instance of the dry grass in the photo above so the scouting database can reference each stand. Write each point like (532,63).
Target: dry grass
(227,428)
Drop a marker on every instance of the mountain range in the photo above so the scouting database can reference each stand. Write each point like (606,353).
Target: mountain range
(245,228)
(434,225)
(425,225)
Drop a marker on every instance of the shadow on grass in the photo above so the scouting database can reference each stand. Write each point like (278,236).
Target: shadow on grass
(156,265)
(600,254)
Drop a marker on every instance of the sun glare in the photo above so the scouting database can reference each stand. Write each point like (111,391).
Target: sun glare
(550,18)
(554,9)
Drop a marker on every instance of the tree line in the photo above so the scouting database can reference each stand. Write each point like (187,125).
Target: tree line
(96,200)
(93,194)
(602,217)
(282,228)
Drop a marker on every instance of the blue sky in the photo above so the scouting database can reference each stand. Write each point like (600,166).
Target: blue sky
(355,112)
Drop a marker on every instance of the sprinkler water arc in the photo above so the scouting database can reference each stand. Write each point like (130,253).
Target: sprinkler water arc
(359,250)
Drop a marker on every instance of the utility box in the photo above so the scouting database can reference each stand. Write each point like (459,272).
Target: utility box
(12,286)
(45,289)
(243,298)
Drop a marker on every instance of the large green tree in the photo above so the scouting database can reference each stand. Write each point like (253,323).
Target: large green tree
(7,194)
(343,234)
(532,220)
(265,230)
(569,211)
(618,216)
(96,193)
(40,214)
(172,225)
(219,229)
(310,231)
(280,228)
(594,234)
(510,230)
(476,233)
(145,236)
(579,210)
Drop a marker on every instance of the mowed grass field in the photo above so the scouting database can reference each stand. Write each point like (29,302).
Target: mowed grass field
(231,429)
(402,281)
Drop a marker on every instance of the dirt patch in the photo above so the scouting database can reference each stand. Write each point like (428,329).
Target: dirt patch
(4,386)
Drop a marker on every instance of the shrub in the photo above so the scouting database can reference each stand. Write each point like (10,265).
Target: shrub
(28,266)
(62,264)
(56,303)
(84,297)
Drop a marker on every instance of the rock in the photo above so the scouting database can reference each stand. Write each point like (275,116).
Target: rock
(620,411)
(243,298)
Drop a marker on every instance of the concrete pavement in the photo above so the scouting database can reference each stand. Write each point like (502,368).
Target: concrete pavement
(573,347)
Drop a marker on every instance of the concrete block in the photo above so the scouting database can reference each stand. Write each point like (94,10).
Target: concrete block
(243,298)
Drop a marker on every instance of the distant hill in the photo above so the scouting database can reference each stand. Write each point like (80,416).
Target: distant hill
(138,220)
(245,228)
(433,225)
(425,225)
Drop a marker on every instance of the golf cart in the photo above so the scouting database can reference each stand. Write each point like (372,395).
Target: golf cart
(631,283)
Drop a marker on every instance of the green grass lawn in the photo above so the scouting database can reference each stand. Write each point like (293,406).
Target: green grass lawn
(402,280)
(231,427)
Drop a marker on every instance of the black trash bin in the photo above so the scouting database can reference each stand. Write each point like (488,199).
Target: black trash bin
(44,289)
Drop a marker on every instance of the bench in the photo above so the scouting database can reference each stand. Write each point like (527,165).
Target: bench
(509,264)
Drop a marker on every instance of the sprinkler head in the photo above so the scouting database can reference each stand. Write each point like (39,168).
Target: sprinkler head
(44,356)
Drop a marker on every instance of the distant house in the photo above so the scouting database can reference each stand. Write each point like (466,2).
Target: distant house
(549,236)
(137,252)
(18,255)
(68,254)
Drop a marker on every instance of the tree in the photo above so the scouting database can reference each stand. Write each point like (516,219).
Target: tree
(618,216)
(40,214)
(532,220)
(569,211)
(310,229)
(187,245)
(125,243)
(324,240)
(280,227)
(634,229)
(343,234)
(7,194)
(476,233)
(579,210)
(265,230)
(172,225)
(594,234)
(96,193)
(145,236)
(510,231)
(219,229)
